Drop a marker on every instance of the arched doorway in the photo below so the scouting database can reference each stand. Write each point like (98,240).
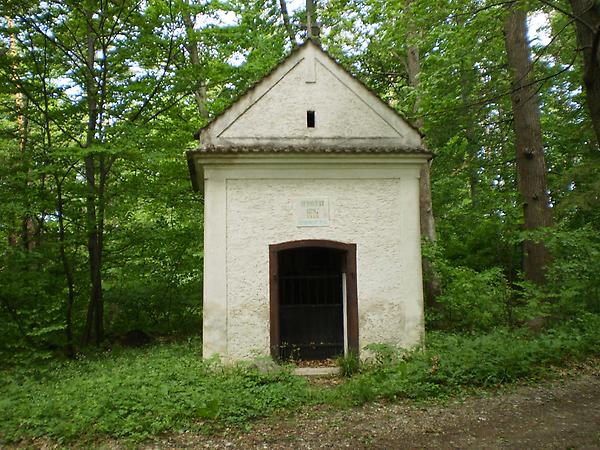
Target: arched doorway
(313,303)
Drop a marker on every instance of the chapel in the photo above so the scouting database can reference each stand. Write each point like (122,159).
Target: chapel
(312,245)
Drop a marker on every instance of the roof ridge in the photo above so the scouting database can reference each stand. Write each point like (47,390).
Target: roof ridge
(304,149)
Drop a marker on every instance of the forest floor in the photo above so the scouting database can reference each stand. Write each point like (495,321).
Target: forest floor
(563,413)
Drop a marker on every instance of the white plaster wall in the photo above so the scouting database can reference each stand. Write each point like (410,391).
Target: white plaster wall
(374,206)
(339,112)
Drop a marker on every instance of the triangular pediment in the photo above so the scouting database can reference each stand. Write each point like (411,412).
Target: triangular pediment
(277,111)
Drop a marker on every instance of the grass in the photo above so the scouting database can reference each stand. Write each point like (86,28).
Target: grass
(139,393)
(136,394)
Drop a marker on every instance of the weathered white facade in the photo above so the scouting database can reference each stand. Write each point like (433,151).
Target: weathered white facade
(309,133)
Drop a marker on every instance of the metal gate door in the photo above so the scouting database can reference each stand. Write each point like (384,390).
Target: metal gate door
(311,311)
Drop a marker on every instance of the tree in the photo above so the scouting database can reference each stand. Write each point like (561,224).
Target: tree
(84,44)
(99,100)
(114,92)
(21,106)
(587,24)
(531,166)
(413,68)
(195,52)
(286,23)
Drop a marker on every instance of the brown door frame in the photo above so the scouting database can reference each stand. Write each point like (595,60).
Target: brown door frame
(351,291)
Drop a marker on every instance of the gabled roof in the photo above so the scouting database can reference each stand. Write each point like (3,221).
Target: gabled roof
(252,86)
(270,117)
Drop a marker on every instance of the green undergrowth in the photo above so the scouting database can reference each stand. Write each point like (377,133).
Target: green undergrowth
(133,395)
(452,362)
(138,394)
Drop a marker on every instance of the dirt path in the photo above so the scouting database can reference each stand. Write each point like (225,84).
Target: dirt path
(563,414)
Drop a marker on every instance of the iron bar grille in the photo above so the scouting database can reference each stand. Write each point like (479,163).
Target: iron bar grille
(310,303)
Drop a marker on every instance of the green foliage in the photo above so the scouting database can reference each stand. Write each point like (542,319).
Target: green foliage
(144,79)
(152,236)
(451,362)
(30,315)
(384,353)
(139,393)
(349,364)
(573,278)
(481,300)
(470,300)
(473,300)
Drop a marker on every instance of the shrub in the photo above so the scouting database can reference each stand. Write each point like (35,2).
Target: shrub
(471,300)
(349,364)
(574,276)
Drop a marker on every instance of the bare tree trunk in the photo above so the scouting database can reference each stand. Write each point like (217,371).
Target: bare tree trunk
(413,65)
(94,317)
(101,212)
(94,252)
(192,48)
(431,281)
(312,25)
(587,25)
(286,22)
(531,167)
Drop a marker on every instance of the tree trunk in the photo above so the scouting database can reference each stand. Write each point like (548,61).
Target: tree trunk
(286,22)
(471,141)
(192,48)
(95,257)
(587,25)
(95,318)
(431,283)
(531,167)
(312,25)
(67,269)
(101,212)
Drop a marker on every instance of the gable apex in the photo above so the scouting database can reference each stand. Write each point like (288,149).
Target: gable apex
(309,100)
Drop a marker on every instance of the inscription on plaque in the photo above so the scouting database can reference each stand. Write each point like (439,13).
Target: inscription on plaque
(312,212)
